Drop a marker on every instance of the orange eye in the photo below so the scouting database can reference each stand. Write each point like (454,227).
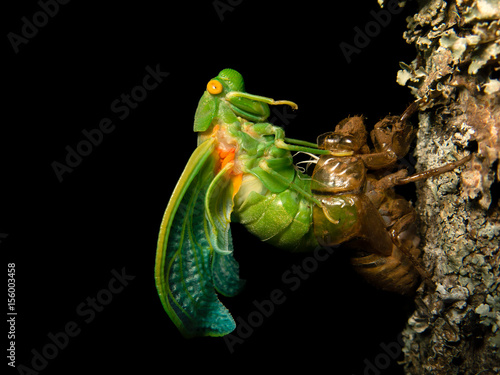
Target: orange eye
(214,87)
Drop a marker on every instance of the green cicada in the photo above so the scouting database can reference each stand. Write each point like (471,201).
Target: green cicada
(242,171)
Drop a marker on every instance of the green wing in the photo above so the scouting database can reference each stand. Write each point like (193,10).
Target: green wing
(192,262)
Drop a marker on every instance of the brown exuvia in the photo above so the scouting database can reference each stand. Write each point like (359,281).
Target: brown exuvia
(359,206)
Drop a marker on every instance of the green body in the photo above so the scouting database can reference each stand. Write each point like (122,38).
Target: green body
(266,204)
(242,170)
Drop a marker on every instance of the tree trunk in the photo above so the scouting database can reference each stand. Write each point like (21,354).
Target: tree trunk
(455,329)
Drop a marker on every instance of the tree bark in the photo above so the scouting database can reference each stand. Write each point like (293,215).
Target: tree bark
(455,329)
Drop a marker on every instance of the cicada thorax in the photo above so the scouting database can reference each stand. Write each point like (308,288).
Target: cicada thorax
(377,226)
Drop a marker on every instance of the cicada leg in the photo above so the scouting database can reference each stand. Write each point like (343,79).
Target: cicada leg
(298,145)
(433,172)
(263,164)
(400,177)
(281,143)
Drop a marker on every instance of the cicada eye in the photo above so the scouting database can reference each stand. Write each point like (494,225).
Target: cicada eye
(214,87)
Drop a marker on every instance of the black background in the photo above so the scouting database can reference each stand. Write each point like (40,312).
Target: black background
(66,237)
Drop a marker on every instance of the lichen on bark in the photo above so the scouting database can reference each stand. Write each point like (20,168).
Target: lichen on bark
(456,328)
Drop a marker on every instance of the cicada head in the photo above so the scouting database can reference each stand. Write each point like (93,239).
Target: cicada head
(226,99)
(215,102)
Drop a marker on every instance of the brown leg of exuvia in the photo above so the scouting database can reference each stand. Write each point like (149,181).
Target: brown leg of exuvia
(433,172)
(389,181)
(412,108)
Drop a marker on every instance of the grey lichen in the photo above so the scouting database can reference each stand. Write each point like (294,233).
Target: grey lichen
(458,48)
(456,328)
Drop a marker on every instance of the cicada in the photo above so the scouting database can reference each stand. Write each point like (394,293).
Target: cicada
(241,171)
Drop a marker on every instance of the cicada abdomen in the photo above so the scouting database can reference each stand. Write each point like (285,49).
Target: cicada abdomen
(397,272)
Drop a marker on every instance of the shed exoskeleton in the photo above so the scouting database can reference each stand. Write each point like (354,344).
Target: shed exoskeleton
(359,206)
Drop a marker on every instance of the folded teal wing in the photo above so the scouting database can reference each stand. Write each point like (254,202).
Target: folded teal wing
(191,262)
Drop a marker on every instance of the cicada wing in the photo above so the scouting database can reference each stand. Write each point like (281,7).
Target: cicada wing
(187,271)
(219,204)
(225,271)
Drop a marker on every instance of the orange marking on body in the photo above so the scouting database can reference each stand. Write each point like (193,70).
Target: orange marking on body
(224,153)
(226,156)
(236,183)
(215,130)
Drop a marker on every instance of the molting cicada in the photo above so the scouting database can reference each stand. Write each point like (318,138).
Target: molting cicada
(243,171)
